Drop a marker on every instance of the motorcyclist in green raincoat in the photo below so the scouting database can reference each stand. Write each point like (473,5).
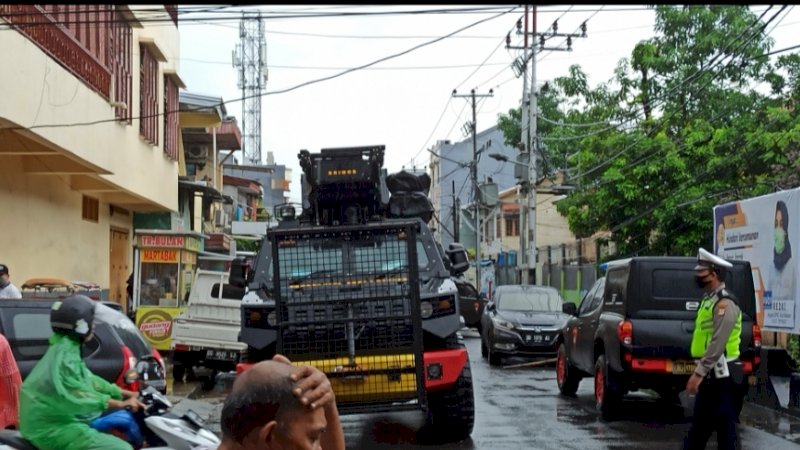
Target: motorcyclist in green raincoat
(61,395)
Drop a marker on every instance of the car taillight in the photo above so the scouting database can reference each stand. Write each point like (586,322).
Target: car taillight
(128,364)
(625,332)
(756,336)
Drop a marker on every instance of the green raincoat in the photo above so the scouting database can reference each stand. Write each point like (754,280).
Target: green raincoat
(61,396)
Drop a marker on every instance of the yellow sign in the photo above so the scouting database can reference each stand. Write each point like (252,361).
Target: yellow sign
(188,257)
(155,323)
(159,255)
(193,244)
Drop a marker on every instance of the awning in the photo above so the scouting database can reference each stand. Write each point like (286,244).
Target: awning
(208,191)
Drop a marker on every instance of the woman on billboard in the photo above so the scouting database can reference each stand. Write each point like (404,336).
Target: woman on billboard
(782,278)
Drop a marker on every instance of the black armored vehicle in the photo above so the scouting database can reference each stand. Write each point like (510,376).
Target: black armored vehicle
(356,286)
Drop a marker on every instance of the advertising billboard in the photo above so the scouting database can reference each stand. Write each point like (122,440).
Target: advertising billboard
(762,230)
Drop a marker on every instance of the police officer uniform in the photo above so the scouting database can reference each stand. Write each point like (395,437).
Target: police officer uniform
(715,344)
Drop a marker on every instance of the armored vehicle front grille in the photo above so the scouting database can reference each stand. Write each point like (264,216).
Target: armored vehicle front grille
(348,303)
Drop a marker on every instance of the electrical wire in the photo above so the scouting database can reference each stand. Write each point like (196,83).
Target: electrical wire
(282,91)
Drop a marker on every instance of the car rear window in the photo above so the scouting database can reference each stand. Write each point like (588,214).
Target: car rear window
(126,330)
(670,289)
(29,334)
(670,285)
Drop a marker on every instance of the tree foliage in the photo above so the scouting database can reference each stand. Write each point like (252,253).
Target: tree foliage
(696,116)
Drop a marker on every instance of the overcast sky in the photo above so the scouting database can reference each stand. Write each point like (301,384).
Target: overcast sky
(405,101)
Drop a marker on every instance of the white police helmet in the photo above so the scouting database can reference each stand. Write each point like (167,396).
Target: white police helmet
(707,260)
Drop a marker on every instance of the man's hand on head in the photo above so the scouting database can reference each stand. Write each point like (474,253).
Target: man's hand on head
(312,386)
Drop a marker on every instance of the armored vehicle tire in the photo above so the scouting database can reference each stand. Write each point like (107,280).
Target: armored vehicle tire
(606,395)
(566,376)
(451,413)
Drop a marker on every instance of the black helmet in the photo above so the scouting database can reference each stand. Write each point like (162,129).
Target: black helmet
(73,317)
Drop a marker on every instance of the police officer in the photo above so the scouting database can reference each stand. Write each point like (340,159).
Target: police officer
(718,377)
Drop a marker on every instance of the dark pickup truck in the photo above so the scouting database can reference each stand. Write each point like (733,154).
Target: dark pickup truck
(633,329)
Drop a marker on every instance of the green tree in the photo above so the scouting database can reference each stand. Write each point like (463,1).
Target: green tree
(682,126)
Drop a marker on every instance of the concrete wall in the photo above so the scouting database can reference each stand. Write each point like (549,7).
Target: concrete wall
(43,234)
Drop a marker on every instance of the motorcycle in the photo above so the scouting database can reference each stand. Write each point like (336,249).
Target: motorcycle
(160,428)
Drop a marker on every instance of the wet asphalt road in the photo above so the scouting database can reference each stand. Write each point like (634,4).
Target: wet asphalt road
(520,408)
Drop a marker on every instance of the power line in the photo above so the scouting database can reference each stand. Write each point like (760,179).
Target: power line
(282,91)
(167,19)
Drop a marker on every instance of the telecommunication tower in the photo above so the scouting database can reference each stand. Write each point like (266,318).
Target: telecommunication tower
(250,58)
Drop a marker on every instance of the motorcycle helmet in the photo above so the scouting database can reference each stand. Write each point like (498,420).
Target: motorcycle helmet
(74,316)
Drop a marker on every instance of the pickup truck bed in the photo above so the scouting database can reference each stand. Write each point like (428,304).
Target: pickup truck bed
(206,334)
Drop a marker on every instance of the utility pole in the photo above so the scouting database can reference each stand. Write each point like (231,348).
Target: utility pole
(474,175)
(532,141)
(520,67)
(456,214)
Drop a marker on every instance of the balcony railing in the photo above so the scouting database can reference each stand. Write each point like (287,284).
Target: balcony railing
(74,35)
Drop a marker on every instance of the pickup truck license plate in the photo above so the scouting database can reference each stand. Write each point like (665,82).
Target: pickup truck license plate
(683,367)
(222,355)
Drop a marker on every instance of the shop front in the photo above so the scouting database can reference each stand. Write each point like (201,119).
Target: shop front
(164,266)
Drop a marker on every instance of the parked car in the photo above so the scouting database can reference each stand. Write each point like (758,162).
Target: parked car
(521,320)
(471,304)
(115,349)
(633,329)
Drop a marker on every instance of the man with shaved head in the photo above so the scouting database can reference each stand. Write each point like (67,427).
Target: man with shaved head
(274,405)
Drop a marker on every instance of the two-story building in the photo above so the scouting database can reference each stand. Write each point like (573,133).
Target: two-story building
(89,135)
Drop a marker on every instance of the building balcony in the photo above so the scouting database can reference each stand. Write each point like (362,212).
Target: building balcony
(82,49)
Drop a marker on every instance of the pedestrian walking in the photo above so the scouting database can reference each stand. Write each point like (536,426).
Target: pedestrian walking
(718,377)
(7,288)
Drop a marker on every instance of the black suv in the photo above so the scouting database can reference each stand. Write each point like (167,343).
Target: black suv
(116,348)
(633,329)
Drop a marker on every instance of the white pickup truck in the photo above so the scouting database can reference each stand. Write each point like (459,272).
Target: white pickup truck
(206,334)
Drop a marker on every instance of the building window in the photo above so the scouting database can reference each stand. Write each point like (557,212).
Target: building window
(91,209)
(498,225)
(121,56)
(148,111)
(512,225)
(171,118)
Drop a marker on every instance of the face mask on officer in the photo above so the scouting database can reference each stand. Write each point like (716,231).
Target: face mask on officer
(701,280)
(780,239)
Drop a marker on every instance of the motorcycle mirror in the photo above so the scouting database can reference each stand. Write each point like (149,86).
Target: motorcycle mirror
(141,366)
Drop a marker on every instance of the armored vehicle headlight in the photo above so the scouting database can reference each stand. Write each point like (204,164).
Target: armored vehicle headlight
(426,309)
(272,319)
